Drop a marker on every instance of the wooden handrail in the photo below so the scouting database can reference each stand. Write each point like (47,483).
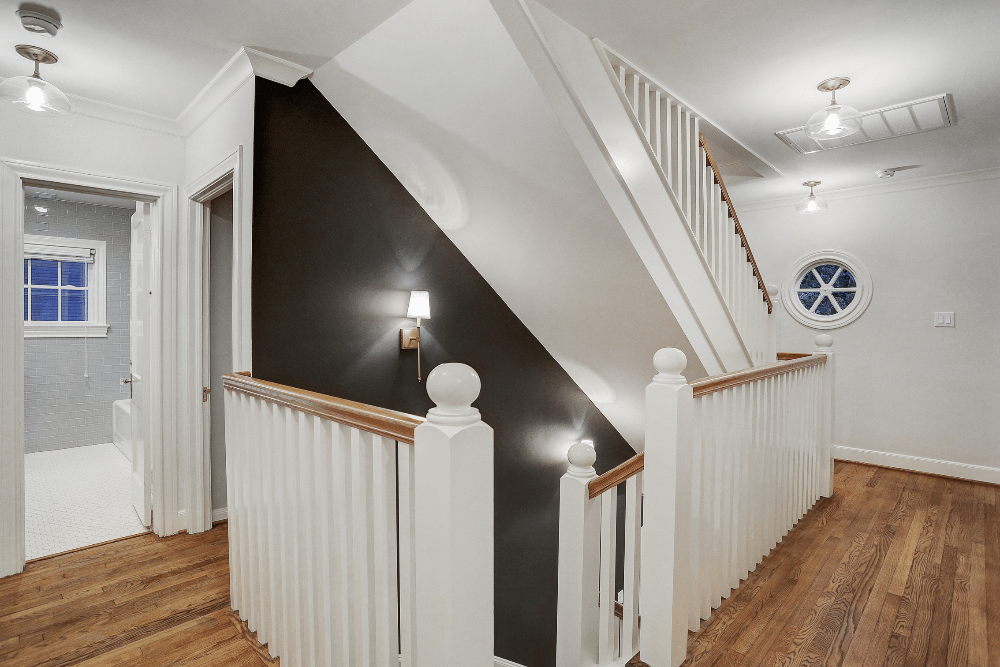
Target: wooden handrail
(387,423)
(736,219)
(616,475)
(789,356)
(726,380)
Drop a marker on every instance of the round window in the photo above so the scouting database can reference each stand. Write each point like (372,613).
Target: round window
(826,290)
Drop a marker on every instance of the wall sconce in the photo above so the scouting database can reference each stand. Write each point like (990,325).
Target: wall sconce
(419,309)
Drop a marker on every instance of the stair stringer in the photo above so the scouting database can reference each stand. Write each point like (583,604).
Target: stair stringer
(575,80)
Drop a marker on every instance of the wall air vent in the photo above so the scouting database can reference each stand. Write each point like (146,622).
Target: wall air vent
(930,113)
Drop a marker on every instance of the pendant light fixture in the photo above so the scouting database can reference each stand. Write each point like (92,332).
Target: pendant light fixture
(837,120)
(812,203)
(32,94)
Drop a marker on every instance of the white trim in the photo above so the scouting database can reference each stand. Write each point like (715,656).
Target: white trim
(790,288)
(918,464)
(221,514)
(880,189)
(65,330)
(174,393)
(226,175)
(276,69)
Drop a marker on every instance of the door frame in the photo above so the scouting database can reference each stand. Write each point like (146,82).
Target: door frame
(227,175)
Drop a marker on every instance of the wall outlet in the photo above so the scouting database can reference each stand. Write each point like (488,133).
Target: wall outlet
(944,319)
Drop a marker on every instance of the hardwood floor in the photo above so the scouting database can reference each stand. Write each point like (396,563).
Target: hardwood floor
(139,601)
(897,569)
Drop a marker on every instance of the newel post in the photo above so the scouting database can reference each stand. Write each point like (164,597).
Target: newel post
(774,328)
(666,512)
(824,345)
(579,562)
(453,507)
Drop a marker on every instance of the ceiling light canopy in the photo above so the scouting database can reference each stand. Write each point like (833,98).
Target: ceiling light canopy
(837,120)
(30,93)
(812,203)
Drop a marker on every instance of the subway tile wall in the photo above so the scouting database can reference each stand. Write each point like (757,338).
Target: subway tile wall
(62,408)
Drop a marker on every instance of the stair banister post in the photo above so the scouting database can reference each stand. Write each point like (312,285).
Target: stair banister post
(453,506)
(577,616)
(774,325)
(824,345)
(666,512)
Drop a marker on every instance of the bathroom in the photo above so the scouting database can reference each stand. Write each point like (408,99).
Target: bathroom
(79,271)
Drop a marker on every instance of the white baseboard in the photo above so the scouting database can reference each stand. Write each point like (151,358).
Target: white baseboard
(221,514)
(504,662)
(919,464)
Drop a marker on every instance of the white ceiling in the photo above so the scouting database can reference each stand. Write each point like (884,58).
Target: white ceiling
(752,68)
(155,56)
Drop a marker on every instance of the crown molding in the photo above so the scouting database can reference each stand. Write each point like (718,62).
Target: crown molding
(881,189)
(243,66)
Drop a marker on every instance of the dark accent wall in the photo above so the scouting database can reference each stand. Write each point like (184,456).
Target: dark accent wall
(338,243)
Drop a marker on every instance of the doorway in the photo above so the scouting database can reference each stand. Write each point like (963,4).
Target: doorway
(82,263)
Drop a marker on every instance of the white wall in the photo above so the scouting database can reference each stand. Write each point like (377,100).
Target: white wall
(92,145)
(904,386)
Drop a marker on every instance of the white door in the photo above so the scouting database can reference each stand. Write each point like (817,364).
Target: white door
(142,474)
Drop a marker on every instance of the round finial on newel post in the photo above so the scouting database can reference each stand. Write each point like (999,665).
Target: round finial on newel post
(772,290)
(453,388)
(582,457)
(824,343)
(669,363)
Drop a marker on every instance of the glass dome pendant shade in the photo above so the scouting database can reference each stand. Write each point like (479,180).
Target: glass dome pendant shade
(837,120)
(32,94)
(812,203)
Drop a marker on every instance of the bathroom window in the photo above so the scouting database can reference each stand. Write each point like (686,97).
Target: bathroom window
(827,289)
(64,288)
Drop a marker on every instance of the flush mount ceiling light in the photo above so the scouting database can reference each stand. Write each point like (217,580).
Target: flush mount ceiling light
(30,93)
(812,203)
(837,120)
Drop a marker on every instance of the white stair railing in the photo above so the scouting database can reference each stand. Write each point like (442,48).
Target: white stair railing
(731,463)
(317,547)
(677,147)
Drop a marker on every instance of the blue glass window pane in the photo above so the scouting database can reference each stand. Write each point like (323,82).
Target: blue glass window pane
(809,281)
(44,304)
(844,299)
(827,271)
(845,279)
(25,272)
(808,298)
(826,307)
(74,273)
(25,304)
(74,305)
(44,272)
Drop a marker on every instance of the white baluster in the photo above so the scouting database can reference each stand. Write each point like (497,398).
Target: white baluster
(343,627)
(384,599)
(609,541)
(669,142)
(696,570)
(361,516)
(327,575)
(633,551)
(453,458)
(407,559)
(669,430)
(646,125)
(658,128)
(577,615)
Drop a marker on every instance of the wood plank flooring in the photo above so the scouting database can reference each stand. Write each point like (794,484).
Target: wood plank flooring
(898,569)
(139,601)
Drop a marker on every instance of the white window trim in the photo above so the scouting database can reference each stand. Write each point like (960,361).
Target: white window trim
(790,286)
(97,298)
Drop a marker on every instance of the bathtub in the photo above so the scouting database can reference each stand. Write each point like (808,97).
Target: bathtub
(121,426)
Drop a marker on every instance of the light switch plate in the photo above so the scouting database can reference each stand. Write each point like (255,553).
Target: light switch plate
(944,319)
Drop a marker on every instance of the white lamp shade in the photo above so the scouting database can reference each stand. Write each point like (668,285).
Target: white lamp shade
(34,96)
(833,122)
(420,305)
(811,204)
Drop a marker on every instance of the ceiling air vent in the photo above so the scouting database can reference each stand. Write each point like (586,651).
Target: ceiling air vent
(930,113)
